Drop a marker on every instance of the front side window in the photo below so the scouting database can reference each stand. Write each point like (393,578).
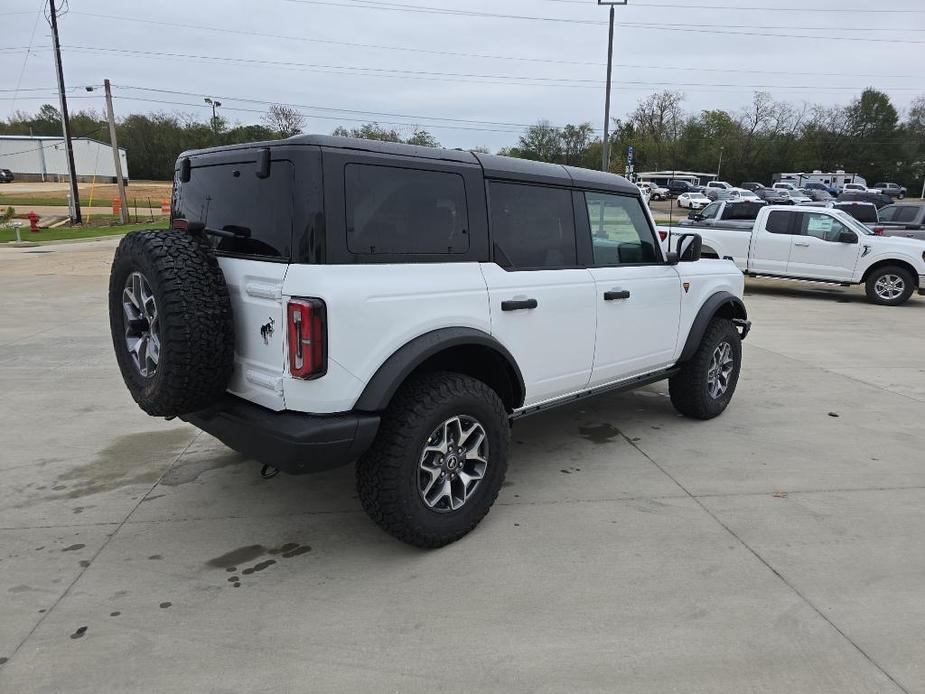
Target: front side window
(620,232)
(888,213)
(533,226)
(391,210)
(710,211)
(821,226)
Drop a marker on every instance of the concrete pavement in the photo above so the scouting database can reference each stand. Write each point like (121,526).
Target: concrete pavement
(777,548)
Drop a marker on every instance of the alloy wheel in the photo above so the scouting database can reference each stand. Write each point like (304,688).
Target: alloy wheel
(453,462)
(889,287)
(142,328)
(721,366)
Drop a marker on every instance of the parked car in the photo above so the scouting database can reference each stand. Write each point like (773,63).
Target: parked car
(879,199)
(677,186)
(816,185)
(894,190)
(693,201)
(858,188)
(656,192)
(726,214)
(773,196)
(907,219)
(752,185)
(817,195)
(784,185)
(644,192)
(409,328)
(796,197)
(744,194)
(6,176)
(822,245)
(719,184)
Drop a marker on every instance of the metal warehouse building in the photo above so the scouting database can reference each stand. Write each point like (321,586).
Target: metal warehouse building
(43,158)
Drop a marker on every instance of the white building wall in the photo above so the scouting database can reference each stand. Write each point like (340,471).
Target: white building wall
(31,156)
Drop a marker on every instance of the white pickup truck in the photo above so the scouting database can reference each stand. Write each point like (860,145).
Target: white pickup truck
(822,245)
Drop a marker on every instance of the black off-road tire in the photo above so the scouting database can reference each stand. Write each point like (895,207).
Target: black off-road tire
(870,286)
(689,389)
(194,315)
(387,475)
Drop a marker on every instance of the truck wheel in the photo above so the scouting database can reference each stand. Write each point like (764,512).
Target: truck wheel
(438,461)
(171,323)
(705,384)
(890,286)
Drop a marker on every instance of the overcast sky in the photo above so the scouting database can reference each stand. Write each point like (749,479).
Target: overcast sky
(351,61)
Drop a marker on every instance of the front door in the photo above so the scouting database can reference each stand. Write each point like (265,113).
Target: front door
(637,295)
(819,250)
(541,302)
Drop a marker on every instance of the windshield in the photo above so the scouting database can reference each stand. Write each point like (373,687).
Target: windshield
(852,223)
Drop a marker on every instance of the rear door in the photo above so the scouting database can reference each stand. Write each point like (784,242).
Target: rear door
(818,251)
(771,243)
(254,216)
(637,295)
(542,302)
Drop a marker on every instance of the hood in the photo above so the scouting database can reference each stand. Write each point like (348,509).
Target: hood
(913,246)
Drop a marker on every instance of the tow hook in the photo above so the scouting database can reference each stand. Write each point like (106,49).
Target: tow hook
(745,325)
(268,472)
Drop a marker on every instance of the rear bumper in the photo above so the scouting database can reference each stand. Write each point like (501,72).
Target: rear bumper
(294,442)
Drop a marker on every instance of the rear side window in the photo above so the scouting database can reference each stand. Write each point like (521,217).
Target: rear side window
(906,213)
(392,210)
(230,198)
(710,210)
(862,213)
(742,210)
(779,222)
(533,226)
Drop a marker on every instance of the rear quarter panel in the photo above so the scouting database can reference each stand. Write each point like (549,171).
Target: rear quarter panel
(372,311)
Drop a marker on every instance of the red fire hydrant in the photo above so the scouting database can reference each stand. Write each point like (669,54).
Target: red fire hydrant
(33,221)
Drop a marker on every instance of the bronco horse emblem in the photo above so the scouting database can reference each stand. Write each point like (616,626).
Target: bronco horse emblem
(266,331)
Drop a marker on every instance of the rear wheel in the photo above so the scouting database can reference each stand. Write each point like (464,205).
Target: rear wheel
(438,461)
(706,383)
(890,286)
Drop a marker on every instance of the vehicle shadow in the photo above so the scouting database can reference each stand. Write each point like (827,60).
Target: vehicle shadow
(805,290)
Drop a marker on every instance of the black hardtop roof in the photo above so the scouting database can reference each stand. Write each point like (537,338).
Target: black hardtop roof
(494,166)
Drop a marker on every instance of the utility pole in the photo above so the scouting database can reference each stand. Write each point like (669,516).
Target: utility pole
(117,161)
(74,203)
(605,154)
(720,165)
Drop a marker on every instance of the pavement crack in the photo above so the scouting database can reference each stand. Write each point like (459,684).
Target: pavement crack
(767,565)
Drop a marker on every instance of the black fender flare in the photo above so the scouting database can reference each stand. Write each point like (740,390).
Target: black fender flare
(710,308)
(392,373)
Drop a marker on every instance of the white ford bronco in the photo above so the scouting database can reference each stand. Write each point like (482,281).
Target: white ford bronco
(323,300)
(822,244)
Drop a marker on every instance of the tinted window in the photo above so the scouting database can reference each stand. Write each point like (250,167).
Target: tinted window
(906,213)
(888,213)
(620,232)
(742,210)
(532,225)
(779,222)
(710,210)
(390,210)
(821,226)
(231,198)
(862,213)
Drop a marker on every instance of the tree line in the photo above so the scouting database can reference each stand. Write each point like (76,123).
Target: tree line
(867,136)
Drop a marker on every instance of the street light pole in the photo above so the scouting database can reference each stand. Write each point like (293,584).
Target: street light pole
(214,103)
(605,153)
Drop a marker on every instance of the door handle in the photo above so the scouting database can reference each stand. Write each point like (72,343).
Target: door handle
(801,244)
(518,304)
(616,294)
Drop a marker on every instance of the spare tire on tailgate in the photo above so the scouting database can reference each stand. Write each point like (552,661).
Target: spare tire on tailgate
(171,322)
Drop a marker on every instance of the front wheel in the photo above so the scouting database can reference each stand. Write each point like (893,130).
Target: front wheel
(890,286)
(438,461)
(706,383)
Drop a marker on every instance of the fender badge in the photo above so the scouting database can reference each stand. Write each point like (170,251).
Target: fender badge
(266,331)
(687,286)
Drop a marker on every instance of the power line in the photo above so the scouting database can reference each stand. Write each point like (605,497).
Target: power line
(734,8)
(517,80)
(25,59)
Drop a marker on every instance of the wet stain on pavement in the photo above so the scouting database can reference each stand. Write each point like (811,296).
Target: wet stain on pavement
(155,557)
(241,555)
(4,660)
(165,605)
(79,633)
(190,471)
(602,433)
(20,589)
(115,614)
(124,462)
(73,548)
(260,566)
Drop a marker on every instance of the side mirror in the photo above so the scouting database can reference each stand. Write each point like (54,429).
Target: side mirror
(847,237)
(690,247)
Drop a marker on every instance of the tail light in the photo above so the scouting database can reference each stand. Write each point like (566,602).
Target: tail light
(878,231)
(179,224)
(662,235)
(305,320)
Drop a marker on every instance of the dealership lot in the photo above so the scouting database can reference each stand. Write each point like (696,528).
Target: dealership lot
(776,548)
